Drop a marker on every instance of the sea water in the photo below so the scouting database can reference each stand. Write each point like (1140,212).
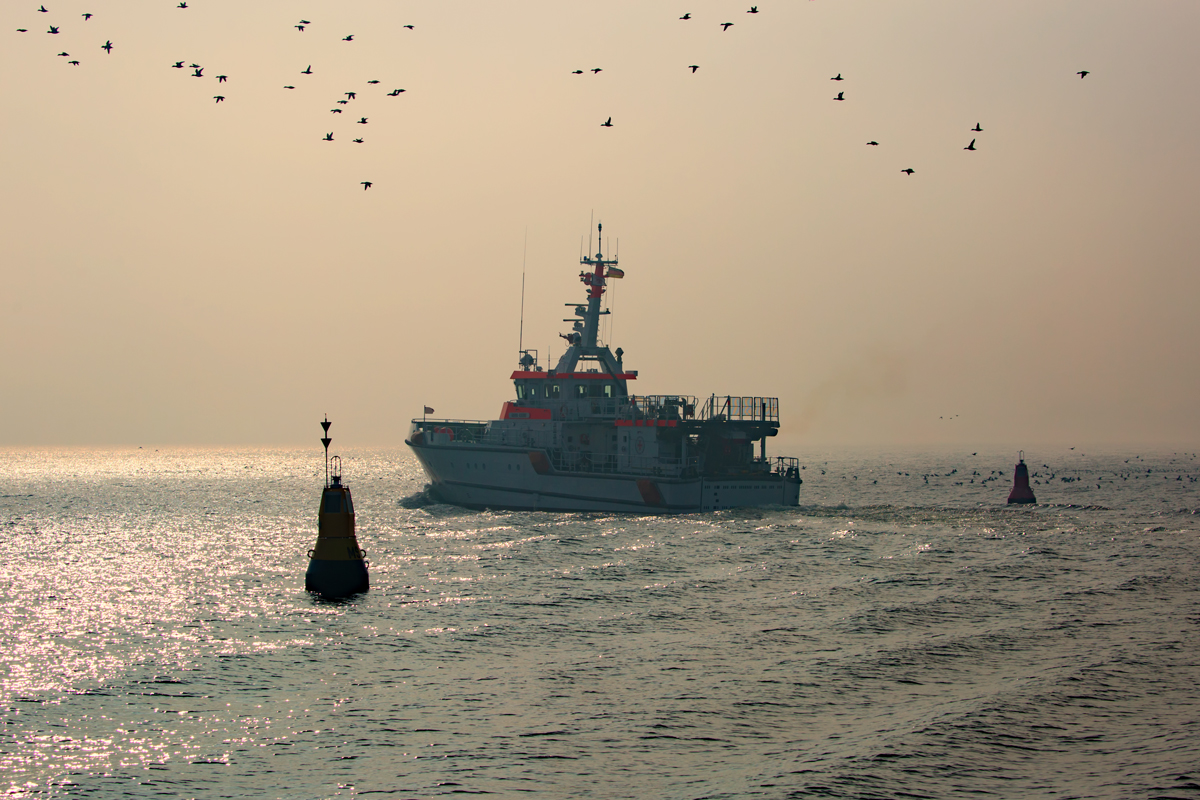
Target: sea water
(904,633)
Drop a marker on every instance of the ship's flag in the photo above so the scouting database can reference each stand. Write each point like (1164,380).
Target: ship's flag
(428,410)
(613,272)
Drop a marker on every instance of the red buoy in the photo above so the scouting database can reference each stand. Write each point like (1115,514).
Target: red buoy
(1021,493)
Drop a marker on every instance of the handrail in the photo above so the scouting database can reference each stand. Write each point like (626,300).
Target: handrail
(755,409)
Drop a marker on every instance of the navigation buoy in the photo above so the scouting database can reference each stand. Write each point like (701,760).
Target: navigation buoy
(1021,493)
(336,566)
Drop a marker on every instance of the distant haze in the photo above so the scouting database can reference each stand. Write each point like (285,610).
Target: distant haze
(182,271)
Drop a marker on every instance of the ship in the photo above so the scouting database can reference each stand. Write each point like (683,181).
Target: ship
(574,437)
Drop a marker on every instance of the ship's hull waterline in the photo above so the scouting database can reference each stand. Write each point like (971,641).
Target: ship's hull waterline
(476,476)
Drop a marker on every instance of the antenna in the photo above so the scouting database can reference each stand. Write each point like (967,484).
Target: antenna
(591,219)
(521,334)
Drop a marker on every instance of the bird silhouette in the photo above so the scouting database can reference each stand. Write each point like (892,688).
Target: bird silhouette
(362,121)
(182,5)
(977,128)
(307,70)
(687,15)
(350,95)
(410,27)
(395,92)
(64,54)
(218,97)
(53,29)
(194,66)
(726,25)
(199,73)
(335,111)
(221,78)
(839,97)
(372,82)
(366,185)
(595,70)
(1082,74)
(107,47)
(299,28)
(753,10)
(305,22)
(22,30)
(328,137)
(343,102)
(358,141)
(349,38)
(876,144)
(909,171)
(837,77)
(43,9)
(289,87)
(971,146)
(87,16)
(577,72)
(694,67)
(76,63)
(178,65)
(607,123)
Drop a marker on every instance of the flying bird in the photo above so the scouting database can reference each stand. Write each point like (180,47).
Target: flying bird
(753,10)
(53,29)
(182,5)
(343,102)
(221,78)
(839,97)
(76,63)
(22,30)
(307,71)
(349,38)
(372,82)
(305,22)
(43,9)
(299,28)
(350,95)
(218,97)
(366,185)
(86,17)
(395,92)
(289,87)
(107,47)
(199,73)
(335,111)
(977,128)
(726,25)
(577,72)
(362,121)
(687,15)
(837,77)
(328,137)
(607,123)
(193,66)
(64,54)
(694,67)
(971,146)
(594,70)
(1082,74)
(908,171)
(875,144)
(358,141)
(410,27)
(178,65)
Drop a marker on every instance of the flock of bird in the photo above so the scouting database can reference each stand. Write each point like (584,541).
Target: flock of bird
(303,24)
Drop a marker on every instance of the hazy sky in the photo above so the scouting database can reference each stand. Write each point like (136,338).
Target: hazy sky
(182,271)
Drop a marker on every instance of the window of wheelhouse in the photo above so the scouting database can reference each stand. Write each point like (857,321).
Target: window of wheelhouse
(527,391)
(551,390)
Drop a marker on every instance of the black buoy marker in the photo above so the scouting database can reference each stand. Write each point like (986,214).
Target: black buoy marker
(336,566)
(1021,493)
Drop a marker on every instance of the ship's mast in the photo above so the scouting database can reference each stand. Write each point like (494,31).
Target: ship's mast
(595,280)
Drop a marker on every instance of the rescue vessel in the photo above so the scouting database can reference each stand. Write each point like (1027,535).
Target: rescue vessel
(575,439)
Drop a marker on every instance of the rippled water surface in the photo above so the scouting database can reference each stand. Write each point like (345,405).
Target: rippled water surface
(902,634)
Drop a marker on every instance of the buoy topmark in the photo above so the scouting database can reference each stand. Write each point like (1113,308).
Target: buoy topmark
(336,566)
(1021,493)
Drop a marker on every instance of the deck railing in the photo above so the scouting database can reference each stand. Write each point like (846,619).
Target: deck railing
(754,409)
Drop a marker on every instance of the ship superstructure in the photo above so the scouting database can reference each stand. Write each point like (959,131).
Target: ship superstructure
(575,439)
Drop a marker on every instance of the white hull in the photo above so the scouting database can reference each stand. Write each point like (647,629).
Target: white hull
(482,476)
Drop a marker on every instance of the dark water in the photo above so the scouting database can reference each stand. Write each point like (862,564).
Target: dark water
(903,634)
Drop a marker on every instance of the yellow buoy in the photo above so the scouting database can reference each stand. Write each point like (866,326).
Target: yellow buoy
(337,567)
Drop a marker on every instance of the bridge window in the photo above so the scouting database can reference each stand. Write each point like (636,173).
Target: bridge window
(552,391)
